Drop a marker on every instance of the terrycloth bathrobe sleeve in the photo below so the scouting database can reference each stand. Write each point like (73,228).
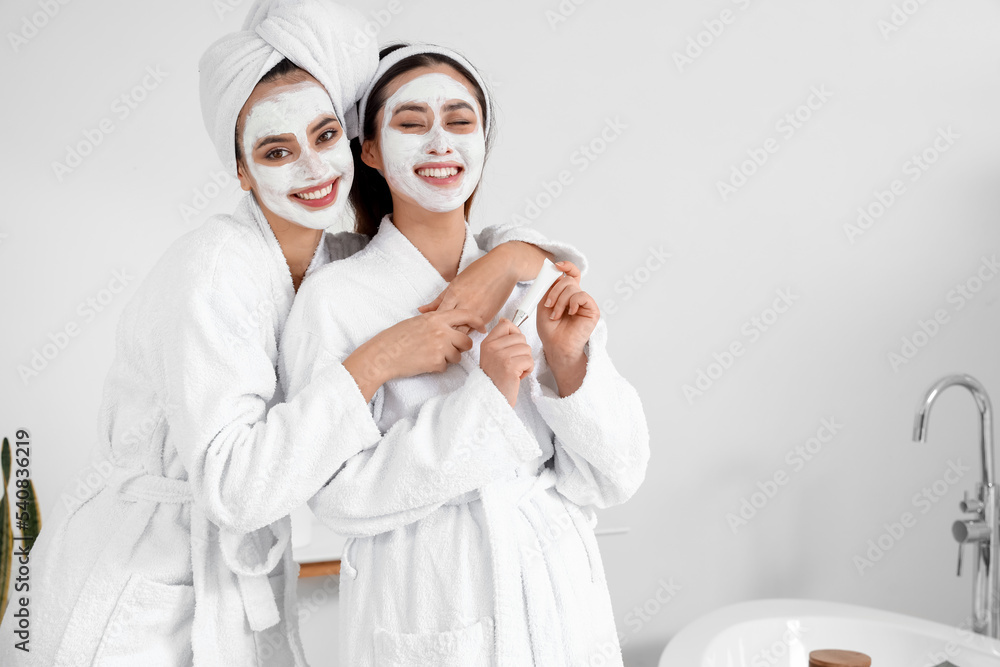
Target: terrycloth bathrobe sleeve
(601,438)
(456,443)
(493,236)
(250,458)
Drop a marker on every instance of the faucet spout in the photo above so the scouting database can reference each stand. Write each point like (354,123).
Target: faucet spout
(982,532)
(985,418)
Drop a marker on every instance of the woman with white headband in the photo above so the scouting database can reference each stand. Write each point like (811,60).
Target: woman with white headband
(180,555)
(470,521)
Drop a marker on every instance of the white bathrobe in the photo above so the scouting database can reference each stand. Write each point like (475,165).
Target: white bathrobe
(470,523)
(173,547)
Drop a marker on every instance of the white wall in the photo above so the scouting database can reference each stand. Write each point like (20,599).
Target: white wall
(559,86)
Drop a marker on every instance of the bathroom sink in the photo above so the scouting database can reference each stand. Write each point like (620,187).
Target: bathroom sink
(781,633)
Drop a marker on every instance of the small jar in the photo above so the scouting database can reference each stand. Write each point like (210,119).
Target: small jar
(835,658)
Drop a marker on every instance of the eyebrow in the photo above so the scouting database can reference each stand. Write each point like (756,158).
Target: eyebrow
(411,106)
(273,139)
(458,105)
(323,123)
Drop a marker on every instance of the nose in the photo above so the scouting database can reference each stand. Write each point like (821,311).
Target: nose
(312,165)
(437,142)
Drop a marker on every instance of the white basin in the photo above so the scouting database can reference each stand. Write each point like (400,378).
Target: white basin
(781,633)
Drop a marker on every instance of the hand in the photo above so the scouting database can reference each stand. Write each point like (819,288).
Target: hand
(505,356)
(565,318)
(483,287)
(485,284)
(424,343)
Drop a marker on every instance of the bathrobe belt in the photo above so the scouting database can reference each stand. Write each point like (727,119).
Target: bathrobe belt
(502,502)
(216,599)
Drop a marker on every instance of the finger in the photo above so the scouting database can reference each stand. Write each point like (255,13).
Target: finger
(453,356)
(460,341)
(459,316)
(507,340)
(503,328)
(433,305)
(588,306)
(563,302)
(557,288)
(577,302)
(524,364)
(570,269)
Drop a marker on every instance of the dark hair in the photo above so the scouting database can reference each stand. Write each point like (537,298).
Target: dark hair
(370,194)
(284,69)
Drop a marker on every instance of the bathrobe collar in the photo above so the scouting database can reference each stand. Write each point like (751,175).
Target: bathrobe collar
(321,255)
(410,262)
(280,274)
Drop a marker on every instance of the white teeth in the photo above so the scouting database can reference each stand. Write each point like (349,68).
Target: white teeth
(446,172)
(318,194)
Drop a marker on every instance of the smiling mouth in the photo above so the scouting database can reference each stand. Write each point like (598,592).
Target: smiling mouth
(438,172)
(319,196)
(447,174)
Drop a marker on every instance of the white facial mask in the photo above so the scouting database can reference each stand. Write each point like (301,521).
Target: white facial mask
(402,152)
(293,111)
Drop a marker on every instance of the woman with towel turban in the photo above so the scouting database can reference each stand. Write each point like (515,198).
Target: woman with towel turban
(470,521)
(179,554)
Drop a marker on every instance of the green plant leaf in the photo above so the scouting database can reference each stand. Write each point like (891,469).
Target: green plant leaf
(6,550)
(5,457)
(34,523)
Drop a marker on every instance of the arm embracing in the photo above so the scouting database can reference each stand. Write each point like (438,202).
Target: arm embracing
(457,443)
(250,462)
(601,436)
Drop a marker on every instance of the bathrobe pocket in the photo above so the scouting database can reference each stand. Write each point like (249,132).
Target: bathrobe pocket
(150,625)
(470,646)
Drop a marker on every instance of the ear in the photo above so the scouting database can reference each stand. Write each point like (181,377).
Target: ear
(243,176)
(371,155)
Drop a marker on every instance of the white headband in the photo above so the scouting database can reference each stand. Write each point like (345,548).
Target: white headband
(418,49)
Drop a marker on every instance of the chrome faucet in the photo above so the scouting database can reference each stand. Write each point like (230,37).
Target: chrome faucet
(981,530)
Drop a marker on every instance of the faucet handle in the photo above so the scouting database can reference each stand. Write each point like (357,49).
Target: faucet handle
(972,505)
(970,530)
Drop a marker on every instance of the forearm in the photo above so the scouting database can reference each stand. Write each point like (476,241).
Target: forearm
(234,448)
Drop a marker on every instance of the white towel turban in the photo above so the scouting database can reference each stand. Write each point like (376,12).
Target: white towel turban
(325,39)
(416,49)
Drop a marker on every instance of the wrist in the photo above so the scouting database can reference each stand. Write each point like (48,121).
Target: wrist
(568,370)
(523,259)
(561,360)
(367,369)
